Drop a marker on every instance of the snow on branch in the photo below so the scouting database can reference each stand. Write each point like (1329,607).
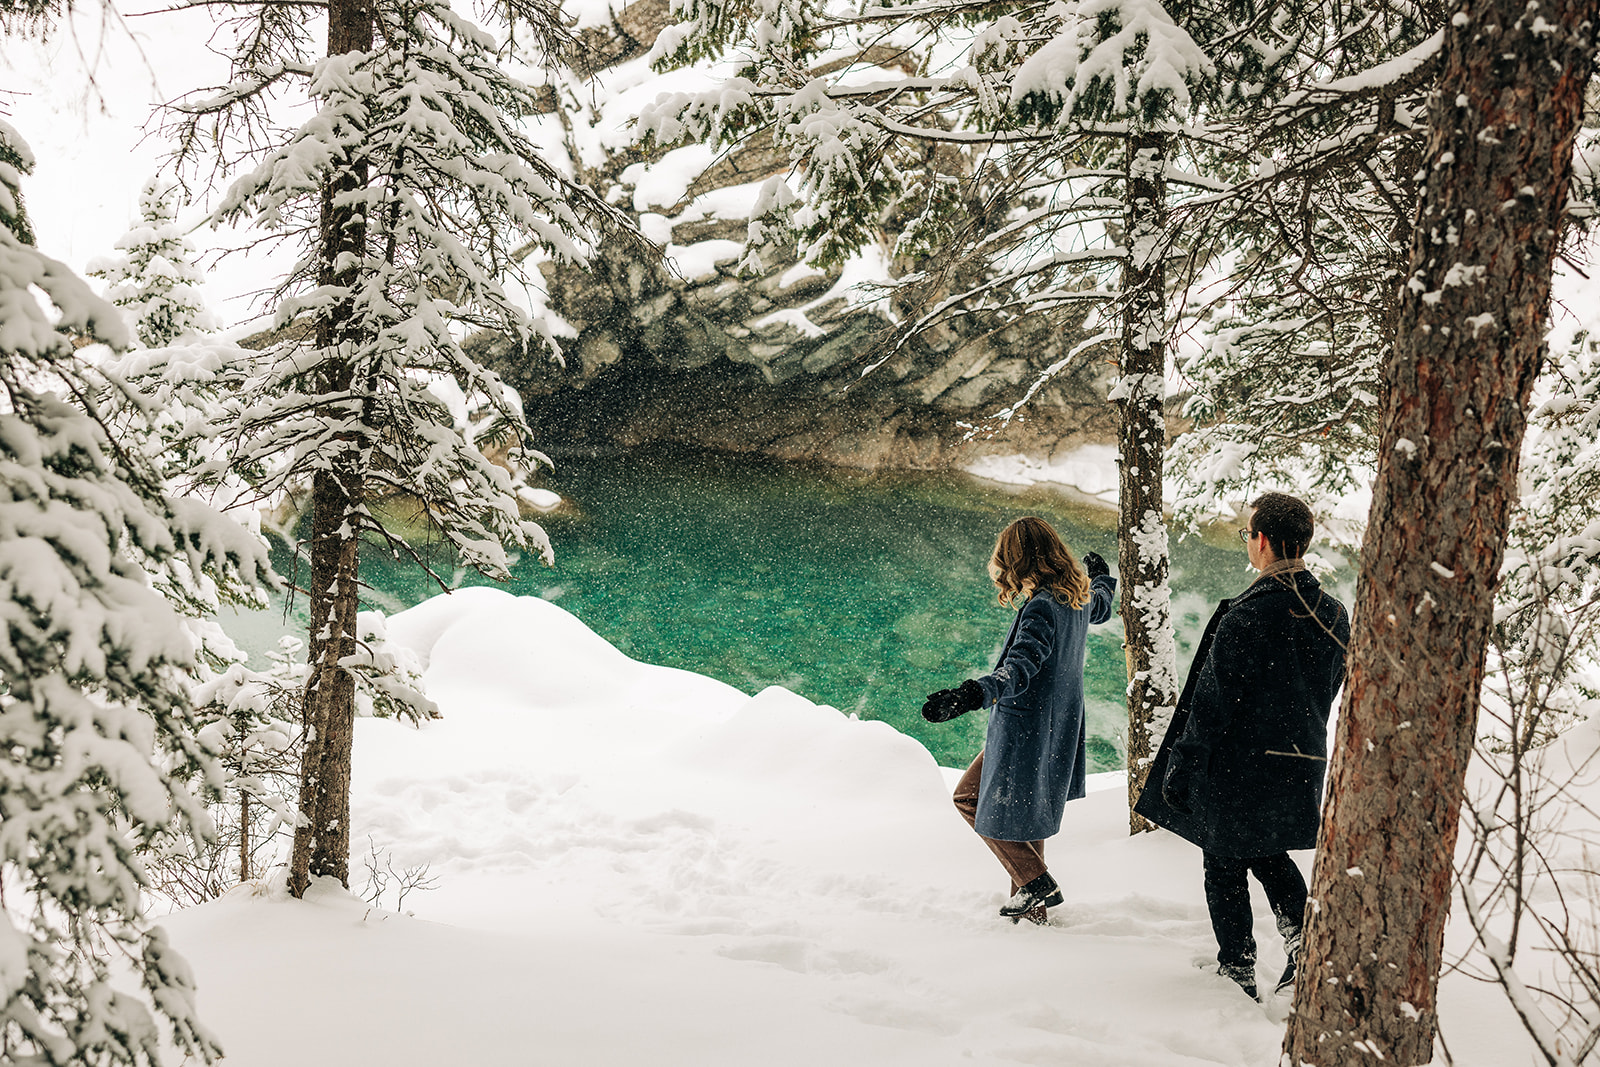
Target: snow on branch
(1111,57)
(1402,73)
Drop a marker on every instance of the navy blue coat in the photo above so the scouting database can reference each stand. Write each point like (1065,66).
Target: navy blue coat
(1245,752)
(1033,756)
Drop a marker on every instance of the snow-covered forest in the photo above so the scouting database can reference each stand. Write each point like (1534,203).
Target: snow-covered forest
(268,269)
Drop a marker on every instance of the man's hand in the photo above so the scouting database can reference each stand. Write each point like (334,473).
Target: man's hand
(1175,787)
(946,704)
(1094,566)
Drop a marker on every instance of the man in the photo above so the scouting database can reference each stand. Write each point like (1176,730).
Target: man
(1240,770)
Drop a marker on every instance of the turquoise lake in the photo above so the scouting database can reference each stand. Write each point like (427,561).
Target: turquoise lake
(863,591)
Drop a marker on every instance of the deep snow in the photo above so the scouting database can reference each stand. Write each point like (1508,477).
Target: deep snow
(641,865)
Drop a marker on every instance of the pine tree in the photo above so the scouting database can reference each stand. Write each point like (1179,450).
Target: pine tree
(248,720)
(409,194)
(1296,316)
(155,276)
(96,731)
(16,159)
(1472,318)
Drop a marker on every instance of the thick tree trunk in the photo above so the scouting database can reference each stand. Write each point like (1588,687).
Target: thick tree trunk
(1142,439)
(1470,337)
(322,839)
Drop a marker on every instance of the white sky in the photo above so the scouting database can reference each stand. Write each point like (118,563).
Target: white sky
(96,148)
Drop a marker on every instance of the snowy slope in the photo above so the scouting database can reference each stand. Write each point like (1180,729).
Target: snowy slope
(639,865)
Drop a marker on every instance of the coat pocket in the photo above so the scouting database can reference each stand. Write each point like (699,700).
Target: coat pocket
(1021,704)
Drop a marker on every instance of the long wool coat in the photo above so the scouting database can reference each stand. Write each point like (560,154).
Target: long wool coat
(1246,750)
(1033,756)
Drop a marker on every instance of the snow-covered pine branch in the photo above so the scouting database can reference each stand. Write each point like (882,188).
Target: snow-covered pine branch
(1300,261)
(16,159)
(95,720)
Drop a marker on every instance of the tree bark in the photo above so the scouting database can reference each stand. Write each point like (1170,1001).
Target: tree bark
(1469,341)
(244,836)
(1141,441)
(322,838)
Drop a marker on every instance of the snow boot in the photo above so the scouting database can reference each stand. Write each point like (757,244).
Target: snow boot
(1286,982)
(1242,973)
(1293,937)
(1041,892)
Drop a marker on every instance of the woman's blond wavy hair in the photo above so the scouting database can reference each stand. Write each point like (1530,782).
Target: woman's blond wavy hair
(1031,550)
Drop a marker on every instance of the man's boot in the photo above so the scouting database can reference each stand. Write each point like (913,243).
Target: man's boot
(1293,939)
(1242,973)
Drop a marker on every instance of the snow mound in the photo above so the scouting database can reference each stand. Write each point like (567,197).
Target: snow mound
(780,741)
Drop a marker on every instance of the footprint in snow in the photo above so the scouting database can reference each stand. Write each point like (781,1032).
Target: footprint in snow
(898,1015)
(803,957)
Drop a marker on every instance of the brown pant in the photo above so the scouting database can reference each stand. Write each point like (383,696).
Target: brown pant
(1023,860)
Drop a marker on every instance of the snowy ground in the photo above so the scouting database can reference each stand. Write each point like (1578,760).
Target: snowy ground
(639,865)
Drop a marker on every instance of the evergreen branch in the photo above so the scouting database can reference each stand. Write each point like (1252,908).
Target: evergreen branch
(188,4)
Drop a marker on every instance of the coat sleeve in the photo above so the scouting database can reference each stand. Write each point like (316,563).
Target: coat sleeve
(1029,652)
(1102,595)
(1341,636)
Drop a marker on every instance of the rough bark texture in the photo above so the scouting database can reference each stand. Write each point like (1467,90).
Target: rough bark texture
(322,840)
(1141,438)
(1472,320)
(244,836)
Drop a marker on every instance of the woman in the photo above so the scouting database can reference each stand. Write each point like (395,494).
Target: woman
(1033,760)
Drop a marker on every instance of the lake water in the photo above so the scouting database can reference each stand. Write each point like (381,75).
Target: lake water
(863,591)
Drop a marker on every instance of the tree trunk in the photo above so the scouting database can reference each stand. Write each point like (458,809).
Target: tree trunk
(322,838)
(1141,439)
(1470,338)
(244,836)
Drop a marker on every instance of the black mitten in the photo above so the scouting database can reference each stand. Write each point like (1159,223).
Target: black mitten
(1093,565)
(940,706)
(946,704)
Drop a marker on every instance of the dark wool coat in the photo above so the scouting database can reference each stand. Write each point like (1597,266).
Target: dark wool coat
(1033,756)
(1260,690)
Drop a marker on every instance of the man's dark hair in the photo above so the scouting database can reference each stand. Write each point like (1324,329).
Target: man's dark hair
(1285,521)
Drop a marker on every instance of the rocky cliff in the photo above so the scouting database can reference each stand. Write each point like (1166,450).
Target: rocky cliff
(696,351)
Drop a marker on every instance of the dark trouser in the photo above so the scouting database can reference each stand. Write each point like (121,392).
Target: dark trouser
(1023,860)
(1228,898)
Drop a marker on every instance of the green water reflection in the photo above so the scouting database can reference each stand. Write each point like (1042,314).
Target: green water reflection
(863,591)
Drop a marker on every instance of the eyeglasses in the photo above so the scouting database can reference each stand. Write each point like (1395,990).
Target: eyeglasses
(1245,533)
